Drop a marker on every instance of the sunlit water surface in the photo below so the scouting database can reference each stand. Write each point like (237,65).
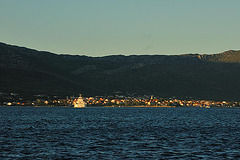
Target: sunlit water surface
(119,133)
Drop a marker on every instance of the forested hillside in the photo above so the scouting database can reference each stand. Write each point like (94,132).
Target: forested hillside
(28,71)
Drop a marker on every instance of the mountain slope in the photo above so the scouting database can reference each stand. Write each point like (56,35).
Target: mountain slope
(29,71)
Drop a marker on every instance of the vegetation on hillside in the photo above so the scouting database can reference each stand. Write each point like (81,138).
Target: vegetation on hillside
(29,71)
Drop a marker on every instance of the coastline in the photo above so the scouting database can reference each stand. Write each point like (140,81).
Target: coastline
(144,106)
(123,106)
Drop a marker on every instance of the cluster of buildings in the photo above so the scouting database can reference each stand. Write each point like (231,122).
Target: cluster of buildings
(153,101)
(13,99)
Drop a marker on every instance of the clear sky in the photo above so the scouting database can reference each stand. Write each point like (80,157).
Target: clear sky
(108,27)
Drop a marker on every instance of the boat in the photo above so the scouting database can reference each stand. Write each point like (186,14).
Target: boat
(79,103)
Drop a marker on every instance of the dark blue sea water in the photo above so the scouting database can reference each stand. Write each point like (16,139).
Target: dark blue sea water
(119,133)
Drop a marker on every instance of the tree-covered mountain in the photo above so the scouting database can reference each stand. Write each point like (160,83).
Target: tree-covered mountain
(28,71)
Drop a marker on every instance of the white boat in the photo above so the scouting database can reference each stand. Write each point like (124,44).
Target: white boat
(79,103)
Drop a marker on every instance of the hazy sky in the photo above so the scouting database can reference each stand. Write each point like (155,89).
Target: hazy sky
(103,27)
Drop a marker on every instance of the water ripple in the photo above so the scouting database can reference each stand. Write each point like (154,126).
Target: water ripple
(119,133)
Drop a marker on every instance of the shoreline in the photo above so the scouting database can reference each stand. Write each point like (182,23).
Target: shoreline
(123,106)
(142,106)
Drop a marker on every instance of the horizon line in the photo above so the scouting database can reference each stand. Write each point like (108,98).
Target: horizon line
(117,54)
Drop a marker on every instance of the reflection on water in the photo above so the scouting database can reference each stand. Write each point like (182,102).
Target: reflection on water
(119,133)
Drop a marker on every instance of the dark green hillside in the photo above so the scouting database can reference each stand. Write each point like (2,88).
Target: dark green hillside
(28,71)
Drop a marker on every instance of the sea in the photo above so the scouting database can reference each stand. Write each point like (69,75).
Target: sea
(119,133)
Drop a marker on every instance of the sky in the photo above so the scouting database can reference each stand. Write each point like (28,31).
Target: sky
(109,27)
